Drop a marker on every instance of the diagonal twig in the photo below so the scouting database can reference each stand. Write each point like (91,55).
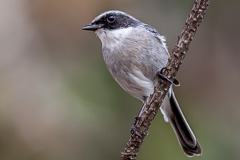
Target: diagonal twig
(151,108)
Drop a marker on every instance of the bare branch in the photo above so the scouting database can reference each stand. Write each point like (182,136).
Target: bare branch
(151,108)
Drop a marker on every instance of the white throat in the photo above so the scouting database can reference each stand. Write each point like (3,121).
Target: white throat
(113,37)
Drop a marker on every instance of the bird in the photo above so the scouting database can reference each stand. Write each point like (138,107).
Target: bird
(134,52)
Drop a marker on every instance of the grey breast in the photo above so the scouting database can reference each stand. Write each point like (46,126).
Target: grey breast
(142,50)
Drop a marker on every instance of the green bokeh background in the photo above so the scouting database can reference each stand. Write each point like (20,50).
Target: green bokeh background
(58,101)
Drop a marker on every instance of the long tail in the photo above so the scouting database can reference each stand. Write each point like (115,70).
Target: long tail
(185,136)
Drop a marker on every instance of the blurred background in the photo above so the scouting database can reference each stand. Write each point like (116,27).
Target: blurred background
(58,101)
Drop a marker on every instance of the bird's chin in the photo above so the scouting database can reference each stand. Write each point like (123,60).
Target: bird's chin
(99,31)
(101,34)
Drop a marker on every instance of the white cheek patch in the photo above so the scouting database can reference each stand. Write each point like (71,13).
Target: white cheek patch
(120,33)
(113,37)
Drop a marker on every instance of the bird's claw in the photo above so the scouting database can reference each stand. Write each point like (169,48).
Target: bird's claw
(133,129)
(174,82)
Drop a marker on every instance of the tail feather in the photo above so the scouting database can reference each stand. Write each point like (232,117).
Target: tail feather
(186,137)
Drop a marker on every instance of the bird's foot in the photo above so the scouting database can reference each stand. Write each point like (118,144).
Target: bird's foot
(174,82)
(133,129)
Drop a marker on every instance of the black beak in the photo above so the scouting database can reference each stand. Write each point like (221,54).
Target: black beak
(92,27)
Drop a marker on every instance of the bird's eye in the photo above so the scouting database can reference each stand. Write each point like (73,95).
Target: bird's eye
(111,18)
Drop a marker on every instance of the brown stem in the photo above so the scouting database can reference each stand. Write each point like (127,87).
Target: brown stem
(151,108)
